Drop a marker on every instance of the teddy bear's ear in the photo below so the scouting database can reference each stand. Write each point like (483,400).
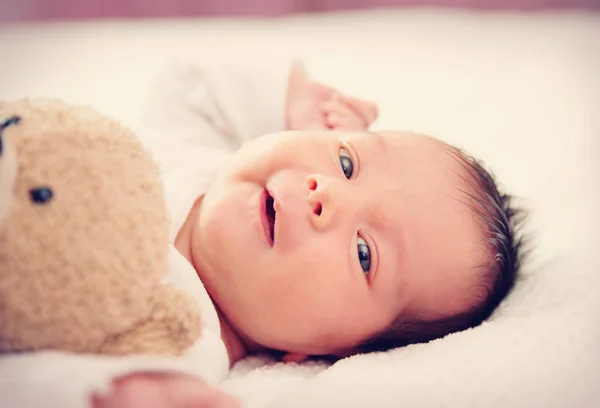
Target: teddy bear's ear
(8,174)
(10,121)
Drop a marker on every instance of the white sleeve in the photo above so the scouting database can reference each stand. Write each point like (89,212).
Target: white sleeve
(56,379)
(216,105)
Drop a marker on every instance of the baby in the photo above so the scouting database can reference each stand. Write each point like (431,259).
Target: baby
(312,235)
(328,239)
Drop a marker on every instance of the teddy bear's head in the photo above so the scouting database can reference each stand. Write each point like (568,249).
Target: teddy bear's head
(83,227)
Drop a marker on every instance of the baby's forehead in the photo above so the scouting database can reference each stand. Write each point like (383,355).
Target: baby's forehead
(447,194)
(409,144)
(426,155)
(410,137)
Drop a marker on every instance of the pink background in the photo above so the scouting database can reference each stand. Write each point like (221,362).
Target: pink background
(18,10)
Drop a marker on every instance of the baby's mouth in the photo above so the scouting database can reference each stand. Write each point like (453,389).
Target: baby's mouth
(269,214)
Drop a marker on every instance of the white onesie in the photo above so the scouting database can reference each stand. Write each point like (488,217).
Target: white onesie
(197,114)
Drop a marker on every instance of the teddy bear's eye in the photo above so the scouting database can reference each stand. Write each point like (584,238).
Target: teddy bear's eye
(41,195)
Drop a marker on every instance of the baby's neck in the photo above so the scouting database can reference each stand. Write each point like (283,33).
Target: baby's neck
(236,348)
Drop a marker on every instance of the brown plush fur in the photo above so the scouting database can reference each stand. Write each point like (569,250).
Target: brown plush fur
(82,272)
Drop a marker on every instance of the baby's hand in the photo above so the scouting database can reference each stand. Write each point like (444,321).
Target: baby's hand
(148,390)
(347,113)
(312,105)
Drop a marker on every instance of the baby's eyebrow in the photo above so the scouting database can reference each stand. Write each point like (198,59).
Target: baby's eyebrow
(381,142)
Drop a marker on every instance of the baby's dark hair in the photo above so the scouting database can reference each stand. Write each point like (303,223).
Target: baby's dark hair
(501,223)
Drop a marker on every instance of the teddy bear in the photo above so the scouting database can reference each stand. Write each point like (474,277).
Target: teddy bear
(84,237)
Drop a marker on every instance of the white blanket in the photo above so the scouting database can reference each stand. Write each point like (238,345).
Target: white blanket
(521,91)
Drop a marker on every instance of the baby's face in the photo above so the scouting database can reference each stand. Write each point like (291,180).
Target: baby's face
(367,227)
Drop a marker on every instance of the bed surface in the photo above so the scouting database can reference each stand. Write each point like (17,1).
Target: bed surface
(521,91)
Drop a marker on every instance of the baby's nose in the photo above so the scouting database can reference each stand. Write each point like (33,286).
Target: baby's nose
(320,200)
(313,196)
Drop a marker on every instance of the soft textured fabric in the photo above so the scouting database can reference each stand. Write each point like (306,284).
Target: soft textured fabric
(195,104)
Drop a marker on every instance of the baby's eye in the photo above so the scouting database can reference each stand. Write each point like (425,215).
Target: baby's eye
(346,162)
(364,254)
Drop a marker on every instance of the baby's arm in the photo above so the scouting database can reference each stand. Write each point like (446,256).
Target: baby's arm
(219,105)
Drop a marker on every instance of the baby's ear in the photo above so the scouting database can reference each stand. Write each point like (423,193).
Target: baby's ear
(294,358)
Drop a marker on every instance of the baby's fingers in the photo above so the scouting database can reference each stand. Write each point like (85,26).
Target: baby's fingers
(163,391)
(367,110)
(341,116)
(341,122)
